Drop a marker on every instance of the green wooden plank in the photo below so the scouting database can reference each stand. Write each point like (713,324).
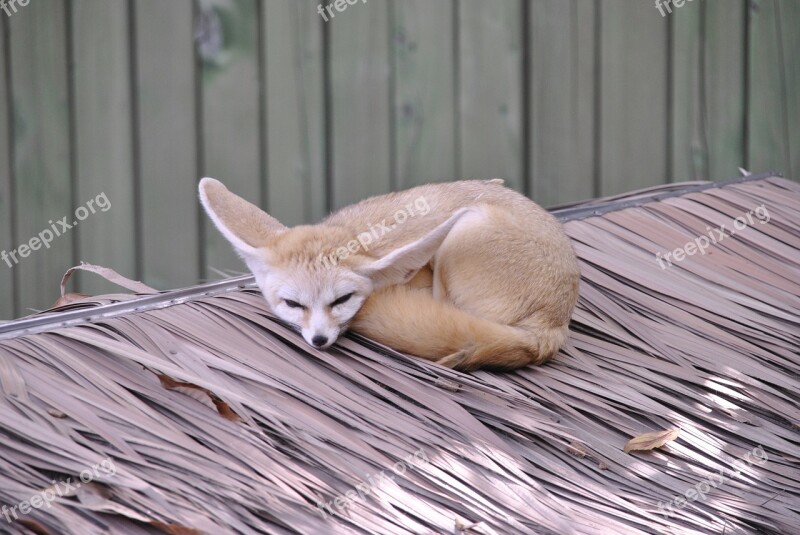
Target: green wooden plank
(725,83)
(633,140)
(295,141)
(708,91)
(689,152)
(774,86)
(41,149)
(103,140)
(228,44)
(425,125)
(7,240)
(360,102)
(562,43)
(167,139)
(490,90)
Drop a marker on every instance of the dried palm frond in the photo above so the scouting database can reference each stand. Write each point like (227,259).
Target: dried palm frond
(219,419)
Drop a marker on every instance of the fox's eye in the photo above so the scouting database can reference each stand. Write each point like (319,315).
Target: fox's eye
(293,304)
(342,299)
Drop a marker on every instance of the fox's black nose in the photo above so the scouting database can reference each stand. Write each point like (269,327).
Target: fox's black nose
(319,340)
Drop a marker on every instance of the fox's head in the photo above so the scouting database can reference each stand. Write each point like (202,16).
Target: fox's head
(303,278)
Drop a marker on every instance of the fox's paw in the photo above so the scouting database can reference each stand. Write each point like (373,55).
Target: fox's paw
(454,360)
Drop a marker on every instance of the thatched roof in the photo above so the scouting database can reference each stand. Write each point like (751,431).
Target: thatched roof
(708,346)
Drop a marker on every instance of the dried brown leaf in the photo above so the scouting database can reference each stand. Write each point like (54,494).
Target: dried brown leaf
(203,395)
(577,449)
(649,441)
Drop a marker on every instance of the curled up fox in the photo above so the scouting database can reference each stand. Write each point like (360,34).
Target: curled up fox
(485,278)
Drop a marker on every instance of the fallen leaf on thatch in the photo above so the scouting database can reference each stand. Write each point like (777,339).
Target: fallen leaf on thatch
(203,395)
(99,498)
(577,449)
(649,441)
(35,526)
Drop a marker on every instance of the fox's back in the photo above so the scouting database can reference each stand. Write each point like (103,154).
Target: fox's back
(402,217)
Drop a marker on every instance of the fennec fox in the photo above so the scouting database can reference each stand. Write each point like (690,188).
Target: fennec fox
(478,276)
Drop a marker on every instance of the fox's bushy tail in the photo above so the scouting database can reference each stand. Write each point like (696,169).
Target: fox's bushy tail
(412,321)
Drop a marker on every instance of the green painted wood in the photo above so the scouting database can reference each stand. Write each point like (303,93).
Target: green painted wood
(360,102)
(689,137)
(774,87)
(228,44)
(294,100)
(708,114)
(41,149)
(424,106)
(561,78)
(634,139)
(167,137)
(490,90)
(725,87)
(7,239)
(103,140)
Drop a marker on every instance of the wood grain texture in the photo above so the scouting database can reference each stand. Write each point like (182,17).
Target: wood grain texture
(725,87)
(562,85)
(774,87)
(490,90)
(634,133)
(360,72)
(103,139)
(227,38)
(708,83)
(294,100)
(41,148)
(167,143)
(7,238)
(424,106)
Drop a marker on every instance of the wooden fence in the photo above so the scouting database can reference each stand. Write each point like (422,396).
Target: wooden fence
(566,99)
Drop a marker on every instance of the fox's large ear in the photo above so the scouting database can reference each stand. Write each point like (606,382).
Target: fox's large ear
(245,225)
(401,264)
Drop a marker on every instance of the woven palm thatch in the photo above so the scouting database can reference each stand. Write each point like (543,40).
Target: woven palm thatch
(218,419)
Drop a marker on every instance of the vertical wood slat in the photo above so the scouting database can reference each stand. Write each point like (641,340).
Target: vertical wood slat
(360,102)
(774,87)
(562,51)
(490,90)
(708,87)
(424,110)
(7,238)
(103,139)
(228,43)
(633,141)
(725,82)
(41,148)
(167,142)
(294,100)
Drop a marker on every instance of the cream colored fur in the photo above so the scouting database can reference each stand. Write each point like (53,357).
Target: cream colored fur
(484,279)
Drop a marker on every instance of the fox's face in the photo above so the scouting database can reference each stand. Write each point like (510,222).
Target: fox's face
(301,287)
(319,301)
